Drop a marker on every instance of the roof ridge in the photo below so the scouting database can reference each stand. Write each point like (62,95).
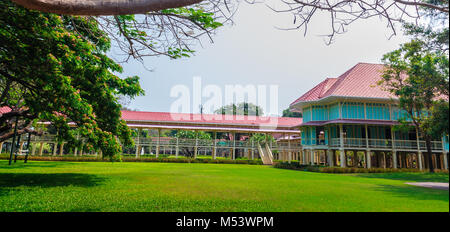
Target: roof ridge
(340,79)
(197,114)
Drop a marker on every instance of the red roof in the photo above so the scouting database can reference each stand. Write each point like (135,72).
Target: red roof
(4,109)
(233,120)
(359,81)
(215,119)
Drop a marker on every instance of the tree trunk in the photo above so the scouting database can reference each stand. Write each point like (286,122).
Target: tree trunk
(102,7)
(430,159)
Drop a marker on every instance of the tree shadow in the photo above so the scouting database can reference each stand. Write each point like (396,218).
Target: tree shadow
(408,177)
(414,192)
(33,164)
(44,180)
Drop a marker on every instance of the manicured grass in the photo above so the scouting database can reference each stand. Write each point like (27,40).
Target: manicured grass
(104,186)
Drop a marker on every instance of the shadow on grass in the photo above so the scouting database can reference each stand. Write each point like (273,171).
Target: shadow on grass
(33,164)
(9,180)
(414,192)
(410,177)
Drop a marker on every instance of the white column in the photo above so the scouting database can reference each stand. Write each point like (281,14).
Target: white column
(137,143)
(196,145)
(330,158)
(341,150)
(394,158)
(158,142)
(215,145)
(76,148)
(311,155)
(369,158)
(177,149)
(419,156)
(342,158)
(444,154)
(394,152)
(289,148)
(367,136)
(253,148)
(303,157)
(234,145)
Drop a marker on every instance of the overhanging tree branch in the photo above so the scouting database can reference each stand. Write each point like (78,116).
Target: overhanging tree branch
(102,7)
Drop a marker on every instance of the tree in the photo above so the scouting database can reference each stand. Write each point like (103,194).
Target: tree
(55,69)
(161,29)
(102,7)
(419,78)
(242,108)
(188,151)
(342,13)
(50,72)
(288,113)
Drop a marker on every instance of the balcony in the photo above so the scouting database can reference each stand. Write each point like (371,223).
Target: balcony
(386,144)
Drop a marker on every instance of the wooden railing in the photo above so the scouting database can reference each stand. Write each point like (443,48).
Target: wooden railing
(182,142)
(385,143)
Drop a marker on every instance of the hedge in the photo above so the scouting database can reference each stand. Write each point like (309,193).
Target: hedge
(129,159)
(324,169)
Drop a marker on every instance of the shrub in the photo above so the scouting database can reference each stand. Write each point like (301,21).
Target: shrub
(121,158)
(297,166)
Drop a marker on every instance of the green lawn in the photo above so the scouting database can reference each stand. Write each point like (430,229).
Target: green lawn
(104,186)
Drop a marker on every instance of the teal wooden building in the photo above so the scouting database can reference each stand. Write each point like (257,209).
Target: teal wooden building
(349,121)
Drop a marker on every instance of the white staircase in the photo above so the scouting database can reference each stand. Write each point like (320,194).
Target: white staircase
(266,154)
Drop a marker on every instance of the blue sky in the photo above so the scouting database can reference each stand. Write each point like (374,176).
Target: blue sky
(253,51)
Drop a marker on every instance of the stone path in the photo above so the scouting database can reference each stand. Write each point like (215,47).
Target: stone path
(434,185)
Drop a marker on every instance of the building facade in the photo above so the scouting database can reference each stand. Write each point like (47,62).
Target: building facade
(349,121)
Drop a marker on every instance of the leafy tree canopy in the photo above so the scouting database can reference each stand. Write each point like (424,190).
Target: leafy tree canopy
(420,79)
(55,69)
(242,108)
(288,113)
(51,72)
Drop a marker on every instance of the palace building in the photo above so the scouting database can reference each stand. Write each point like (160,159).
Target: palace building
(348,121)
